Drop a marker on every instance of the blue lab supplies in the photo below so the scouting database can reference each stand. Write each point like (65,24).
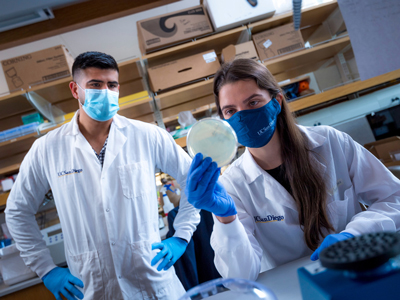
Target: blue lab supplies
(31,118)
(364,267)
(15,132)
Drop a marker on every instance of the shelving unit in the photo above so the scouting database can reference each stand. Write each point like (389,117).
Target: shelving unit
(311,16)
(197,97)
(215,42)
(3,198)
(306,56)
(11,164)
(342,90)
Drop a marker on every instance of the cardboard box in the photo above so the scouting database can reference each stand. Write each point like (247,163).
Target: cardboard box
(181,71)
(244,50)
(34,68)
(227,14)
(160,31)
(277,41)
(384,149)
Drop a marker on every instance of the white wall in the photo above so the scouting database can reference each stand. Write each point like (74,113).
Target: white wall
(117,38)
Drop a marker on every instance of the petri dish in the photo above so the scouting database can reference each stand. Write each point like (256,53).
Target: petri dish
(213,138)
(228,289)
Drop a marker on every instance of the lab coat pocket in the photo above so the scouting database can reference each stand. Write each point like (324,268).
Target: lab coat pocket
(86,267)
(134,178)
(155,284)
(338,210)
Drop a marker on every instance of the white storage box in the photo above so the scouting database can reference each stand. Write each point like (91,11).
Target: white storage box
(12,267)
(226,14)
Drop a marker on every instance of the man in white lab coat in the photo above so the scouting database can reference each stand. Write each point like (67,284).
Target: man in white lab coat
(100,168)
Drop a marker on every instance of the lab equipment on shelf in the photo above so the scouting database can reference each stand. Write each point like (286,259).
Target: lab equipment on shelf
(15,132)
(12,267)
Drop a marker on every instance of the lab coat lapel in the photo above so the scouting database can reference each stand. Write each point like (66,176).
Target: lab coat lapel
(115,144)
(80,142)
(273,190)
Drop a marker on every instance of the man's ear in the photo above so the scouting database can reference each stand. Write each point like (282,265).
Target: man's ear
(74,89)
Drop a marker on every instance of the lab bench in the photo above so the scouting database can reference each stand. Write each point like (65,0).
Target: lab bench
(282,281)
(32,289)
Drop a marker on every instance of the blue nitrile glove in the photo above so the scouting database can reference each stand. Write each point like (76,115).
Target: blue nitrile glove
(171,250)
(60,281)
(330,240)
(203,189)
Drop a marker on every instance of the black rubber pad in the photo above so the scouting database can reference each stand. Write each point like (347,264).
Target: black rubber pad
(361,253)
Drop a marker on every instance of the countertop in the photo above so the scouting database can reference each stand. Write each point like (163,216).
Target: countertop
(282,281)
(5,289)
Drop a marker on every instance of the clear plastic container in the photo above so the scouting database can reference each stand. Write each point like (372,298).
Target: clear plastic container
(213,138)
(12,267)
(230,288)
(22,130)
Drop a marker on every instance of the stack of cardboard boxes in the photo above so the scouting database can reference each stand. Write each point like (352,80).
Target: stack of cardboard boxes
(178,27)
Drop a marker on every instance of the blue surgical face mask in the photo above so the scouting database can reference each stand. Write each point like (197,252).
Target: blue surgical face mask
(100,105)
(255,127)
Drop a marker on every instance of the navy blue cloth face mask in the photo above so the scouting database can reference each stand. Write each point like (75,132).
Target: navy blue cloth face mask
(255,127)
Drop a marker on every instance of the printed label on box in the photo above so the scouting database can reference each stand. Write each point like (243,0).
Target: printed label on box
(290,48)
(209,57)
(267,43)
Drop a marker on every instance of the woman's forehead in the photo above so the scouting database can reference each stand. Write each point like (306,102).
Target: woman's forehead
(239,91)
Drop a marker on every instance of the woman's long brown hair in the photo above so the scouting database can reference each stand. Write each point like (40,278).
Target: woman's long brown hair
(308,186)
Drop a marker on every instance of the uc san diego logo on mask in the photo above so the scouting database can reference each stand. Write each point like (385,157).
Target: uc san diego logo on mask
(268,219)
(73,171)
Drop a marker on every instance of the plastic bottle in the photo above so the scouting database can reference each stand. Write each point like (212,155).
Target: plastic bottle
(168,206)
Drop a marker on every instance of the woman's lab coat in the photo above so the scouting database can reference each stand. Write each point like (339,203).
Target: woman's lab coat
(109,216)
(267,234)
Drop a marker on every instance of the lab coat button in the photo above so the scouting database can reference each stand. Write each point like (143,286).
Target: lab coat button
(107,210)
(113,243)
(119,277)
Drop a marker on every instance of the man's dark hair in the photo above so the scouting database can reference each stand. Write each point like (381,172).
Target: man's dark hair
(94,59)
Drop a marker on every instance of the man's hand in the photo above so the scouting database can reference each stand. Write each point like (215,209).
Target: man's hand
(60,281)
(171,250)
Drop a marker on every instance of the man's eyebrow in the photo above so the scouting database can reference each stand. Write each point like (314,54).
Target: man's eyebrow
(95,80)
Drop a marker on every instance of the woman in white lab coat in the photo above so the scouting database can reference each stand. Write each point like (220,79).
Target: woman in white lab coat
(295,190)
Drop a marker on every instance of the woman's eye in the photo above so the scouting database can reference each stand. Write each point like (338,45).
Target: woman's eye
(253,103)
(229,112)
